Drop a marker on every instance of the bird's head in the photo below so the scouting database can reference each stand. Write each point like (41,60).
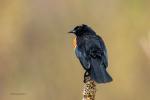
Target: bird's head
(82,30)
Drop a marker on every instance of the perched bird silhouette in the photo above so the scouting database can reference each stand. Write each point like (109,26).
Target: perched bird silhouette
(92,54)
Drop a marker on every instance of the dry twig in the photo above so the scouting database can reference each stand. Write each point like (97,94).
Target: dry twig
(89,90)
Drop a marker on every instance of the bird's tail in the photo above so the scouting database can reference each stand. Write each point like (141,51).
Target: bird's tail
(99,73)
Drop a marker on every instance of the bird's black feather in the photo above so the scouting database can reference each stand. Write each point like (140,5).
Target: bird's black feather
(92,54)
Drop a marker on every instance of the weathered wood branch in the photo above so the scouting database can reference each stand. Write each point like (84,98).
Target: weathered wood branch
(89,90)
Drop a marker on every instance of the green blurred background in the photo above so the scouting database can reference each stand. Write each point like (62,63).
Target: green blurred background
(37,60)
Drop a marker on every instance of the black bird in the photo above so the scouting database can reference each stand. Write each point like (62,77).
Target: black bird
(92,54)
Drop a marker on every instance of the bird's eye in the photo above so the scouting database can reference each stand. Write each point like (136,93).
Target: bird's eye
(76,28)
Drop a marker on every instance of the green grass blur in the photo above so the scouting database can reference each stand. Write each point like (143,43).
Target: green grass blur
(37,60)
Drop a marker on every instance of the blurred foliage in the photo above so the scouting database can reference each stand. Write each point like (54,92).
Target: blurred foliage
(37,58)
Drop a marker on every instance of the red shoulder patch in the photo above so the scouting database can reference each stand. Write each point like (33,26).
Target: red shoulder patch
(74,43)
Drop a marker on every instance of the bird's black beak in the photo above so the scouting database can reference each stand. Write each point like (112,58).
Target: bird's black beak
(73,31)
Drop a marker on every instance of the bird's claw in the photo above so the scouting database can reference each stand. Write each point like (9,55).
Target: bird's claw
(86,77)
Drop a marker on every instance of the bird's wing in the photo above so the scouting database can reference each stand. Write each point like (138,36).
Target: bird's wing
(97,53)
(96,48)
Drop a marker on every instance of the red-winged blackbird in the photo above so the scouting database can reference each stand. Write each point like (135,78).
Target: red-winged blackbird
(92,54)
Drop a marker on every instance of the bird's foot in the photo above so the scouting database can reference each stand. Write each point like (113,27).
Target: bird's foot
(86,77)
